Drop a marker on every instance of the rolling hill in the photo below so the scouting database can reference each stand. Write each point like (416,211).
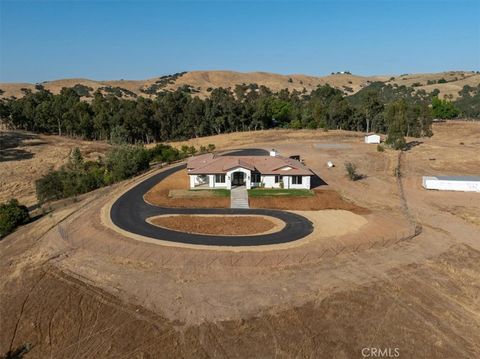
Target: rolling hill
(201,83)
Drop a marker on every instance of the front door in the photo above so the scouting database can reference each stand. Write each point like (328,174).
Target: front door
(238,178)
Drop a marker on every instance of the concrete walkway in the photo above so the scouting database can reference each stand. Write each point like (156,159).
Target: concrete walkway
(239,197)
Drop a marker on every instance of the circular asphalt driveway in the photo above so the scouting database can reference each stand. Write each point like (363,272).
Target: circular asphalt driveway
(129,212)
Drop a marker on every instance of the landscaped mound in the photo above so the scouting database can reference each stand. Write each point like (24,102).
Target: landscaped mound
(310,201)
(219,225)
(173,192)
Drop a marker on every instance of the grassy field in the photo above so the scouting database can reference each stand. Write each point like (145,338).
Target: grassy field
(262,192)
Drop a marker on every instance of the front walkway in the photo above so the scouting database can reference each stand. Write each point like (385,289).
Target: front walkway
(239,197)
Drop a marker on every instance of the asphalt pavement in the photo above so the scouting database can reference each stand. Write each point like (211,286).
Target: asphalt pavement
(130,211)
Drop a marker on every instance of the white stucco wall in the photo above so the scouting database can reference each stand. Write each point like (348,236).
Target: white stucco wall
(247,174)
(269,181)
(196,180)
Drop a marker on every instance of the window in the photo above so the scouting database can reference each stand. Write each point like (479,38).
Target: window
(278,178)
(296,179)
(256,178)
(220,178)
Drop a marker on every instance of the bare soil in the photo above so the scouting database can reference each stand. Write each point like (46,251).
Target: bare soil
(323,199)
(73,287)
(160,194)
(216,225)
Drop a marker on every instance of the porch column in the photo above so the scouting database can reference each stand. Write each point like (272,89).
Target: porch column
(228,180)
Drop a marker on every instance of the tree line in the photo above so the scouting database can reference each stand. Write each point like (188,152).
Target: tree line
(179,115)
(121,162)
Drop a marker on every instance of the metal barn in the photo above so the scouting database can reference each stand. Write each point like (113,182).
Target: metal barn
(452,183)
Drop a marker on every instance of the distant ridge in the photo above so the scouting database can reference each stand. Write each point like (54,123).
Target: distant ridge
(202,82)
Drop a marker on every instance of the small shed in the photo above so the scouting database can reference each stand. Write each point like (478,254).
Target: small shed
(452,183)
(372,138)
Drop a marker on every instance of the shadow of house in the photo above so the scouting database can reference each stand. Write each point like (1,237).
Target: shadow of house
(316,181)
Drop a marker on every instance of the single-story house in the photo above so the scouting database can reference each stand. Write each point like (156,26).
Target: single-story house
(452,183)
(372,138)
(274,171)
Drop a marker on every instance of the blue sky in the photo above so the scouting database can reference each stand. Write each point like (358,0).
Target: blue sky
(41,40)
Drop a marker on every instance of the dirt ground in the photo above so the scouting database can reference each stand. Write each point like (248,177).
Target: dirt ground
(217,225)
(25,157)
(160,194)
(72,287)
(323,199)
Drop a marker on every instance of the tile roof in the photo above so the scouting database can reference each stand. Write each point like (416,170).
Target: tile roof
(263,164)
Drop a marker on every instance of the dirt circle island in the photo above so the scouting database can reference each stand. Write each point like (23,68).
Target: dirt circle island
(238,225)
(130,213)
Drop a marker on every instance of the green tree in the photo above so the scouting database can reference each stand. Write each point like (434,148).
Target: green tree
(444,109)
(396,118)
(12,215)
(76,159)
(123,162)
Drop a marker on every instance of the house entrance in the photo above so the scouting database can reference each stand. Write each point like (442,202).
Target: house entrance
(238,179)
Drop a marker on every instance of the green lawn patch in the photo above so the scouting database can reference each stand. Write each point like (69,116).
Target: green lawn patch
(198,193)
(264,192)
(217,192)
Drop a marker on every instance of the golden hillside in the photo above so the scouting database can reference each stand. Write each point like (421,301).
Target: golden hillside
(203,81)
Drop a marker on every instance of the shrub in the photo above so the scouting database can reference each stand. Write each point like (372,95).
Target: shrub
(126,161)
(165,153)
(49,187)
(79,177)
(380,148)
(12,215)
(351,169)
(211,147)
(397,143)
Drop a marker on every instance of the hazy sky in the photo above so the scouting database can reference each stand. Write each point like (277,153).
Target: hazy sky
(42,40)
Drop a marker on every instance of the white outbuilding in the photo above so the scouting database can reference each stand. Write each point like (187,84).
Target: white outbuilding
(452,183)
(372,138)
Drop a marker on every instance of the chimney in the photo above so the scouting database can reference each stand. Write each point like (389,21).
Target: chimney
(273,152)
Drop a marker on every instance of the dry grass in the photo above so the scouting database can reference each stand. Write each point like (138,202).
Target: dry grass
(455,81)
(202,80)
(25,157)
(216,225)
(267,137)
(112,297)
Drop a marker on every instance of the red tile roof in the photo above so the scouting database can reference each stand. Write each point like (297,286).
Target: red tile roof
(273,165)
